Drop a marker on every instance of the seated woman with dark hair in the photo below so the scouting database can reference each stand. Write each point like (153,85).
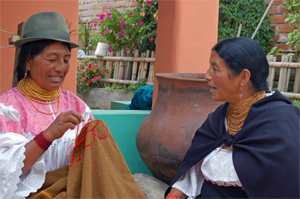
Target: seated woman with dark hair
(44,128)
(249,146)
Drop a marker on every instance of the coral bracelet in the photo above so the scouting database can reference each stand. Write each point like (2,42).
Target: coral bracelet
(42,141)
(172,196)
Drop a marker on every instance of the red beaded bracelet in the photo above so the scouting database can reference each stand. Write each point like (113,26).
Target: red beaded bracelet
(172,195)
(42,141)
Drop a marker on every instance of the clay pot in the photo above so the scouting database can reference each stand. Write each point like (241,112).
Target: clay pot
(182,105)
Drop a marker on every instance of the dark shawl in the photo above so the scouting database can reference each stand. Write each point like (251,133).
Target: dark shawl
(265,150)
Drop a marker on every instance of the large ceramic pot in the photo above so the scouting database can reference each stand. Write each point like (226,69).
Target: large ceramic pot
(182,105)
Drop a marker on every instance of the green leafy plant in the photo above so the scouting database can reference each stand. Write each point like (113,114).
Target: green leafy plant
(134,87)
(148,9)
(274,50)
(297,103)
(248,13)
(114,86)
(121,30)
(88,38)
(293,18)
(89,75)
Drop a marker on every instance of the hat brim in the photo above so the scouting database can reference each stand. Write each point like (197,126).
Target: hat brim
(19,43)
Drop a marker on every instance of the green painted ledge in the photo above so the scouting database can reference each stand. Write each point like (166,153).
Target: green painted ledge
(124,125)
(119,105)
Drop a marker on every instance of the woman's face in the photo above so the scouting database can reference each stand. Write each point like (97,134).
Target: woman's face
(50,67)
(224,87)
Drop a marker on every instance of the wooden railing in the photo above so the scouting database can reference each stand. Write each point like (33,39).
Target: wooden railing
(284,76)
(126,69)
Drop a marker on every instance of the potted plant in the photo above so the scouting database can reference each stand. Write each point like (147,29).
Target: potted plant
(102,44)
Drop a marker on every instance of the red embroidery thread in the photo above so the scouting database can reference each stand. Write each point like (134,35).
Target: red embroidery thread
(82,137)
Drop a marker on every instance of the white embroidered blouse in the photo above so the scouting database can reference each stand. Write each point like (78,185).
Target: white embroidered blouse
(19,123)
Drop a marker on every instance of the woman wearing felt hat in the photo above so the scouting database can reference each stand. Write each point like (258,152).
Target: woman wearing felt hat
(39,122)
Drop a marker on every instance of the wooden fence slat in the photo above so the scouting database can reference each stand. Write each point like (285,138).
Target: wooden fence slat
(271,78)
(282,77)
(141,67)
(117,63)
(145,68)
(297,81)
(151,71)
(128,67)
(122,66)
(135,65)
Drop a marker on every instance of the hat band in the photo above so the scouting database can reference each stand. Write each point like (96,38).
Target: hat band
(51,34)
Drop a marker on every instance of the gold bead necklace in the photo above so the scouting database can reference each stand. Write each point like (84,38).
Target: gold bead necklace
(36,93)
(238,112)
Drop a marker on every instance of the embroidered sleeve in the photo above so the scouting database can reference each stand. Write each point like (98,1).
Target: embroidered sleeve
(191,182)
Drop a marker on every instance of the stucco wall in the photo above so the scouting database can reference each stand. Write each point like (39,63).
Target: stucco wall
(12,13)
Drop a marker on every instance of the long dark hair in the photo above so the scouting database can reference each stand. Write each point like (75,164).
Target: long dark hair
(245,53)
(32,48)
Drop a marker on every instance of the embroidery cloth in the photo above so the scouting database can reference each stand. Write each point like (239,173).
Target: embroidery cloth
(96,174)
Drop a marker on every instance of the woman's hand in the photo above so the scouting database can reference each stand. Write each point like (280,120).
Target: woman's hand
(65,120)
(176,194)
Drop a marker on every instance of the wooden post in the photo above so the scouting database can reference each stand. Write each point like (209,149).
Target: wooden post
(135,64)
(15,74)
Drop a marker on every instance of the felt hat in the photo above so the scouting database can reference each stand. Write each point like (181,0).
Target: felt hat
(45,25)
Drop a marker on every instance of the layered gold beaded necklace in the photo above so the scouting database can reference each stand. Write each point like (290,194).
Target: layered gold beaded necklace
(36,93)
(238,112)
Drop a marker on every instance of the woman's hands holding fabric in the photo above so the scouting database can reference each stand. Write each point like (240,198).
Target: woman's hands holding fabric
(66,120)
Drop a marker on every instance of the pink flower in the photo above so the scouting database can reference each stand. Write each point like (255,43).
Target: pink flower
(86,85)
(107,30)
(110,49)
(102,33)
(151,40)
(117,11)
(147,6)
(130,14)
(109,15)
(142,14)
(105,69)
(122,33)
(80,80)
(95,24)
(141,23)
(102,16)
(97,84)
(122,23)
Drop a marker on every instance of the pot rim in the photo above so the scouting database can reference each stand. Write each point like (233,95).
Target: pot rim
(169,76)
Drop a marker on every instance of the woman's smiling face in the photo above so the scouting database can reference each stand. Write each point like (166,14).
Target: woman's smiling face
(224,85)
(50,67)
